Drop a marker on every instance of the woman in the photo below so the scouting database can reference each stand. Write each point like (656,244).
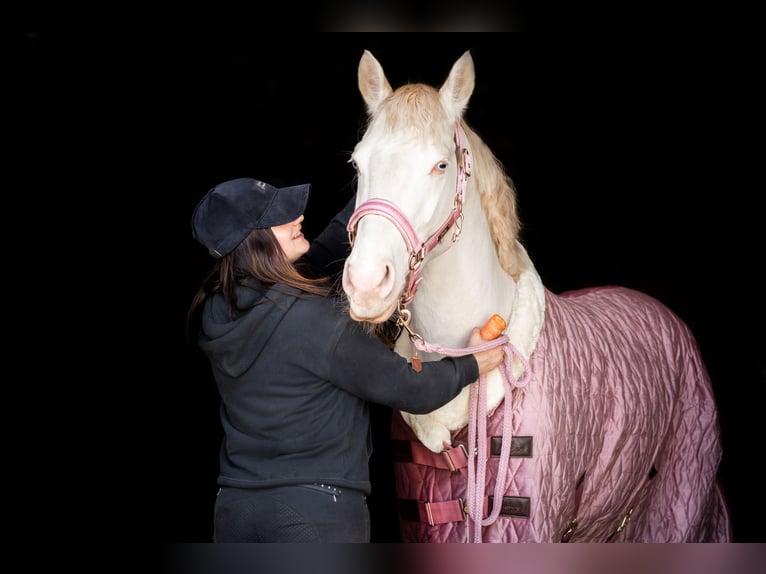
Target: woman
(295,372)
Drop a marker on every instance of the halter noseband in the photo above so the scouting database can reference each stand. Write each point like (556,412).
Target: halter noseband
(415,248)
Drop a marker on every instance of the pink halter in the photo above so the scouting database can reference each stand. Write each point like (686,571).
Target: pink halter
(417,250)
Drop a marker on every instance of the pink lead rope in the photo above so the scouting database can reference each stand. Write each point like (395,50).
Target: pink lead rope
(477,428)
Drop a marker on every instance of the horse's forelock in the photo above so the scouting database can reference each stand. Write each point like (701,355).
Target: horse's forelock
(415,108)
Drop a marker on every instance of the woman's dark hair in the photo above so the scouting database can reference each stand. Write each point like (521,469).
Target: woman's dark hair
(259,257)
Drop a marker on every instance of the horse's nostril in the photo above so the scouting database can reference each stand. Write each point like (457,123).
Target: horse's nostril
(387,274)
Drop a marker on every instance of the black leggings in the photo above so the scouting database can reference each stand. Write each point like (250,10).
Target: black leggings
(299,513)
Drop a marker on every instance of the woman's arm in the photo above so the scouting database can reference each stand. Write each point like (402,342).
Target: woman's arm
(363,365)
(329,250)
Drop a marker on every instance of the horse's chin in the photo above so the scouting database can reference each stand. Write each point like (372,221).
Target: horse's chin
(371,317)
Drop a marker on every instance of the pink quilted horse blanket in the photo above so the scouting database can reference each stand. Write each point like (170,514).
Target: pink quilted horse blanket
(615,437)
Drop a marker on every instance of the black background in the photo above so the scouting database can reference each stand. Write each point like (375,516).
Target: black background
(632,161)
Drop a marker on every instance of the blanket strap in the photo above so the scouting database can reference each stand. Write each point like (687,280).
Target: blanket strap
(626,518)
(433,513)
(454,458)
(572,526)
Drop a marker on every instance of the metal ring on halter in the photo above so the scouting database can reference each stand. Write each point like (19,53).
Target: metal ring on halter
(417,257)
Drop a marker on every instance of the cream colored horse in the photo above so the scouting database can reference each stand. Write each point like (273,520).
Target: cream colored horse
(608,429)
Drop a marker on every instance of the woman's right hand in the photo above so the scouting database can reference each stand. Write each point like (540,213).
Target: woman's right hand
(489,359)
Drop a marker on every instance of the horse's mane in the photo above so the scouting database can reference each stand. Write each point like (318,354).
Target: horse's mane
(416,108)
(498,199)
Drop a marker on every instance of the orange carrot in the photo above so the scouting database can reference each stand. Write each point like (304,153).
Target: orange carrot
(493,327)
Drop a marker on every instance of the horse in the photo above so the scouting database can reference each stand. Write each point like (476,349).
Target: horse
(601,423)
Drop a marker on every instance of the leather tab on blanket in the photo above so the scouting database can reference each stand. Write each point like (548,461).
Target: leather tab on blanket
(517,506)
(521,446)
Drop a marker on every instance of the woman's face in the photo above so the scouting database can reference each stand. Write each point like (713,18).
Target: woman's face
(289,235)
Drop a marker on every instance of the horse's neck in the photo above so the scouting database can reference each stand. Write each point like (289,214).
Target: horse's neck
(462,286)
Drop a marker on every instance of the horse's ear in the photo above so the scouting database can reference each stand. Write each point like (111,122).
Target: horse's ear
(372,82)
(458,87)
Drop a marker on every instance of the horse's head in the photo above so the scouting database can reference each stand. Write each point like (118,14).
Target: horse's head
(408,165)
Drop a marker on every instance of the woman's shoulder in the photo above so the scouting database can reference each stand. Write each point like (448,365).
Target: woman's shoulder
(325,317)
(330,306)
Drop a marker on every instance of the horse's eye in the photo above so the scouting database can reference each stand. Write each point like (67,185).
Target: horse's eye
(440,167)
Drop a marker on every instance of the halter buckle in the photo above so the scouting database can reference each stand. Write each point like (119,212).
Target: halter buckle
(417,257)
(458,227)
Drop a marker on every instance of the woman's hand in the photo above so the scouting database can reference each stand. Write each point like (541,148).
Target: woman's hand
(489,359)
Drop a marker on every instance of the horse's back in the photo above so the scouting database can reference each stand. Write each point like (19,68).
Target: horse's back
(637,370)
(617,424)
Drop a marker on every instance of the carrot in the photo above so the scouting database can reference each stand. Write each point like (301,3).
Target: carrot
(493,327)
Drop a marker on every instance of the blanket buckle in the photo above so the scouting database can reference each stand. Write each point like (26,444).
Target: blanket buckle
(569,532)
(450,462)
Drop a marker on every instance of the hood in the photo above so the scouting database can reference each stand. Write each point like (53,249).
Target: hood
(233,345)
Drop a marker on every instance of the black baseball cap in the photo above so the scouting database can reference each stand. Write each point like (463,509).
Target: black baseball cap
(232,209)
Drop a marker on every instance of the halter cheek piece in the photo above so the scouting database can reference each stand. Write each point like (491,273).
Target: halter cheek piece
(415,248)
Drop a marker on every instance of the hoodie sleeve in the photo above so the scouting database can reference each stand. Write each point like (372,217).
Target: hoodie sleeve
(329,250)
(364,366)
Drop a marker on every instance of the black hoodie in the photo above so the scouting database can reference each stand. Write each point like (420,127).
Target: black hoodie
(295,374)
